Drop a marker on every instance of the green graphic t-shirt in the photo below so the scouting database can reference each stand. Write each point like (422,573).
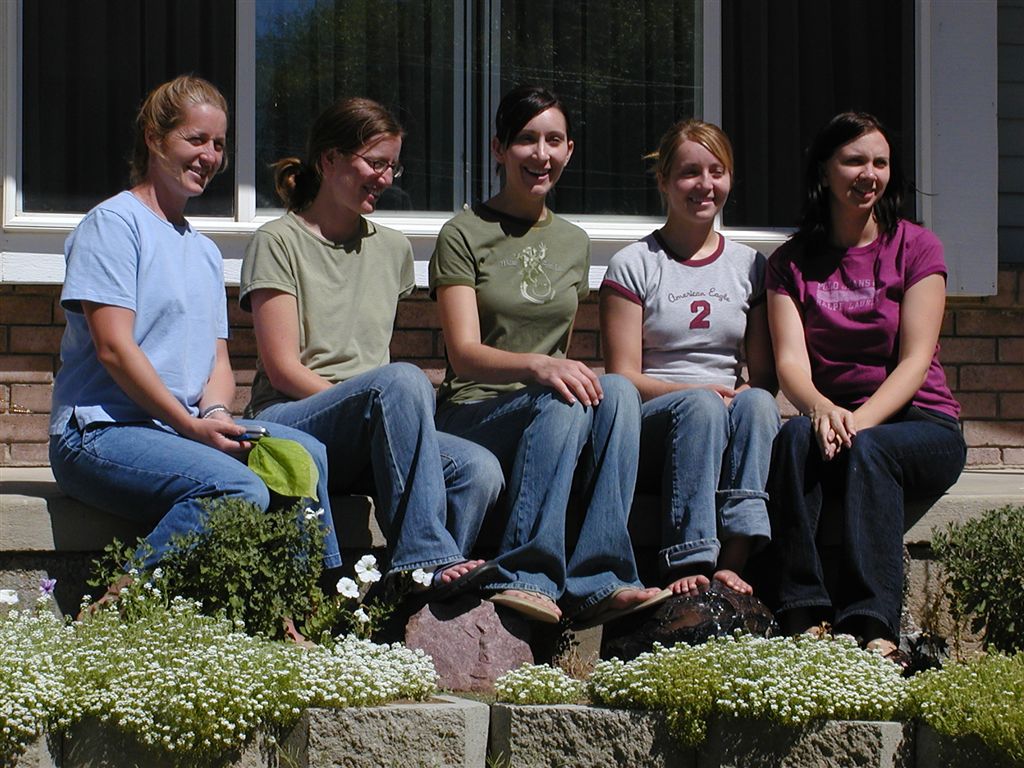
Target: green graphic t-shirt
(528,277)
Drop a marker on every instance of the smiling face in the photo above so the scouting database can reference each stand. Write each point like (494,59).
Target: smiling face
(534,158)
(184,161)
(350,180)
(697,185)
(857,173)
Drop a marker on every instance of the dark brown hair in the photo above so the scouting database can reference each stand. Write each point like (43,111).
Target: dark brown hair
(345,126)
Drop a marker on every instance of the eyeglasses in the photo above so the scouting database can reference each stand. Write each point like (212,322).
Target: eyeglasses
(379,166)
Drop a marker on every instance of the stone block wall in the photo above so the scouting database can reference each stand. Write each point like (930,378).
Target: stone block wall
(982,351)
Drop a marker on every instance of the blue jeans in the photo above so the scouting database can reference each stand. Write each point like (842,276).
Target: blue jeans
(917,454)
(710,462)
(432,489)
(548,449)
(146,473)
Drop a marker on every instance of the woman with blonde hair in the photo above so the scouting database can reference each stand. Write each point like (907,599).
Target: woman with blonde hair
(140,423)
(681,311)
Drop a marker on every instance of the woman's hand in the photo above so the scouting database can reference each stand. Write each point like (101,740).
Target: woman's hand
(834,428)
(218,431)
(572,379)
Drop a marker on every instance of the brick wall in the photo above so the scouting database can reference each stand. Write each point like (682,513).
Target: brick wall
(982,351)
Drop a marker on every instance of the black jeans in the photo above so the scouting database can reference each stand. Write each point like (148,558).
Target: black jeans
(918,453)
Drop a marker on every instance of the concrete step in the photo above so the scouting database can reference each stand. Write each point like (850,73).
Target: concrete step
(36,516)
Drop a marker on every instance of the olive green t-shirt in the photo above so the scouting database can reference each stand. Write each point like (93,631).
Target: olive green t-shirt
(529,278)
(347,296)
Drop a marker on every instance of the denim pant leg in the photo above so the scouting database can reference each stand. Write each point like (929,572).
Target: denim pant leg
(385,419)
(742,500)
(602,559)
(794,578)
(316,449)
(538,438)
(473,482)
(906,458)
(143,472)
(689,428)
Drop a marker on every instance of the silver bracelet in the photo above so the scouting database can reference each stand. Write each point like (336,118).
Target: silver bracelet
(209,410)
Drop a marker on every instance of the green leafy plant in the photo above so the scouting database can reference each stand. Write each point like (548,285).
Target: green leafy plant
(256,567)
(984,577)
(982,698)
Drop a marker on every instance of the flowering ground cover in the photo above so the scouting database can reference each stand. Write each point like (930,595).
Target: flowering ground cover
(193,685)
(793,681)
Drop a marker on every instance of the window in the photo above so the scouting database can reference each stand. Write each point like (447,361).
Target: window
(73,73)
(86,67)
(787,67)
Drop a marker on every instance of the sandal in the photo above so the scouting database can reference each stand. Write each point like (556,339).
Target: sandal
(439,590)
(532,605)
(603,611)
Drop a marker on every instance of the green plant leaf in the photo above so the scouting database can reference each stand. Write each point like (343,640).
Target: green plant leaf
(285,466)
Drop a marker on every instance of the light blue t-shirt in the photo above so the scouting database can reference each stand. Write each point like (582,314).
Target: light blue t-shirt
(124,255)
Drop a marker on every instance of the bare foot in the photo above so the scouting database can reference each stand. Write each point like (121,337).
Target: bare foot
(111,596)
(627,598)
(292,634)
(689,585)
(732,580)
(450,573)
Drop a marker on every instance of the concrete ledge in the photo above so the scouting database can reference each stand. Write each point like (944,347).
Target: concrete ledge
(36,516)
(448,731)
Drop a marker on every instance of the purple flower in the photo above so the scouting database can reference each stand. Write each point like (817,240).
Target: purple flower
(46,586)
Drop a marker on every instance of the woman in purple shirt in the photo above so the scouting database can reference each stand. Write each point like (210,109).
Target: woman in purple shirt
(855,303)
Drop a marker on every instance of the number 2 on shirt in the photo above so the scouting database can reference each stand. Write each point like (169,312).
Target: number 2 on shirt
(701,311)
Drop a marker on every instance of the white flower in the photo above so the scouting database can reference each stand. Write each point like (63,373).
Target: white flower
(347,587)
(420,576)
(8,597)
(366,569)
(312,514)
(158,573)
(360,615)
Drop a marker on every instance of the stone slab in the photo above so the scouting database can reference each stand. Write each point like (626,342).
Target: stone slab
(565,736)
(36,516)
(739,743)
(934,749)
(446,733)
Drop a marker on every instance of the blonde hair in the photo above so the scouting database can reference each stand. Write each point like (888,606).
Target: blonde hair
(708,135)
(164,110)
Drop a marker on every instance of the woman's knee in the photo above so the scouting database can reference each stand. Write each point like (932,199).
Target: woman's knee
(620,392)
(758,406)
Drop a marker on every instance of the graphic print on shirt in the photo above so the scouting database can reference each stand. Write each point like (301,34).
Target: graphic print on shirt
(700,306)
(848,298)
(534,286)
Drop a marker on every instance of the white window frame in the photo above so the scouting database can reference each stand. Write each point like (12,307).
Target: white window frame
(957,159)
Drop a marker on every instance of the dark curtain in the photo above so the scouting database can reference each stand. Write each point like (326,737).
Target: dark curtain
(790,65)
(87,66)
(397,52)
(626,70)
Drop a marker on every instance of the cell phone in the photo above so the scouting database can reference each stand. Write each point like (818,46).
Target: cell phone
(251,434)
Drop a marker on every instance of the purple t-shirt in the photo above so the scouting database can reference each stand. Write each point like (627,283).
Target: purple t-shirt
(850,304)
